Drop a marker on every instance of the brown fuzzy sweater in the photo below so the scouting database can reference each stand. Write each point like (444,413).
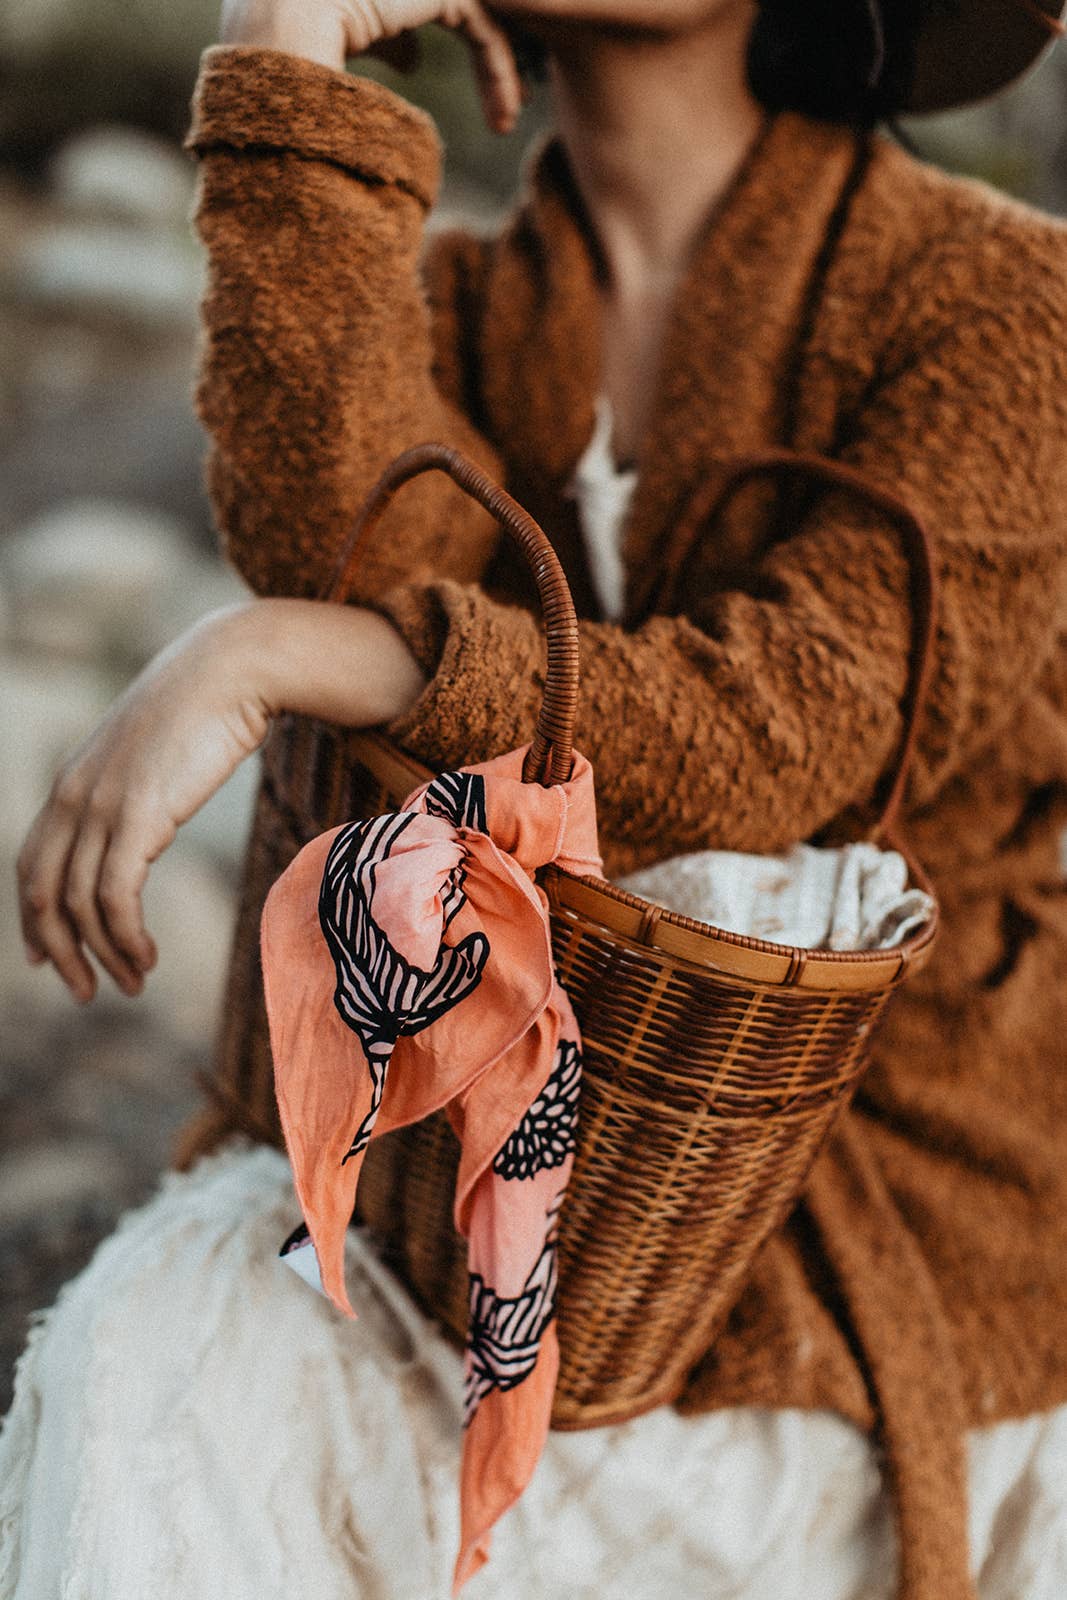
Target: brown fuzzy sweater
(844,298)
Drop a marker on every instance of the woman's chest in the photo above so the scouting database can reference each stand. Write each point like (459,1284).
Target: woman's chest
(704,382)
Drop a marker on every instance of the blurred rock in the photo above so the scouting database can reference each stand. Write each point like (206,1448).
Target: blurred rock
(111,580)
(58,371)
(114,172)
(964,142)
(108,269)
(99,554)
(189,911)
(152,31)
(220,829)
(119,1054)
(46,709)
(112,1089)
(42,1177)
(125,430)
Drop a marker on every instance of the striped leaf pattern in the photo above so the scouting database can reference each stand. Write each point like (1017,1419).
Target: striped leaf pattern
(504,1335)
(458,797)
(380,995)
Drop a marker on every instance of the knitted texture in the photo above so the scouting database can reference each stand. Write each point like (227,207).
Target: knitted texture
(846,300)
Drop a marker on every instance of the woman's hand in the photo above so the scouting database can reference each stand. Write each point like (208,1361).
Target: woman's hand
(168,743)
(329,31)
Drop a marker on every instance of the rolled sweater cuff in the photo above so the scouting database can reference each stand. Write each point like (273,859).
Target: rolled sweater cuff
(486,667)
(249,98)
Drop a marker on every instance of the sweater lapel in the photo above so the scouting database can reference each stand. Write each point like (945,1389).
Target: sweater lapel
(541,329)
(731,334)
(732,337)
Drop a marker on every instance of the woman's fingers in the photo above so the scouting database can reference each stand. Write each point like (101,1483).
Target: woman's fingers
(494,62)
(47,929)
(82,899)
(123,874)
(80,875)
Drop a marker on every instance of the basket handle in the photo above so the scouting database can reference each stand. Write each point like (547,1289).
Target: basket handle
(707,503)
(550,757)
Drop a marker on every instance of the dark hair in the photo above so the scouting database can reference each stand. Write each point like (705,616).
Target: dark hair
(845,61)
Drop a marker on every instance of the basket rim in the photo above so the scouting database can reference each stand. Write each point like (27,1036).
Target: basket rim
(702,945)
(698,946)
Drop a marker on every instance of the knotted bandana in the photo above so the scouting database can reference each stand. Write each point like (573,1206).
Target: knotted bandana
(407,964)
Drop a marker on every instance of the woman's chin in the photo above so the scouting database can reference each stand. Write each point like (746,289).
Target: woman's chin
(540,17)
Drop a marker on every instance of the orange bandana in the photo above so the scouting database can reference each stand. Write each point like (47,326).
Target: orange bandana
(407,964)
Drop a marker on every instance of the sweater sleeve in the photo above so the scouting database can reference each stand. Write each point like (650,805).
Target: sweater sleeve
(765,712)
(321,355)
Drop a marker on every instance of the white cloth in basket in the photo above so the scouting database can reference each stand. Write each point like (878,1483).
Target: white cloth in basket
(854,898)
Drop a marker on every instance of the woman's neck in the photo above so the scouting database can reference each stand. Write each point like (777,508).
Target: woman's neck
(655,127)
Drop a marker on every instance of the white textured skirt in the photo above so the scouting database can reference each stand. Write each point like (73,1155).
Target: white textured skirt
(192,1422)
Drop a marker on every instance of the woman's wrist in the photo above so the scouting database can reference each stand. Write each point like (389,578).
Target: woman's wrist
(341,664)
(315,32)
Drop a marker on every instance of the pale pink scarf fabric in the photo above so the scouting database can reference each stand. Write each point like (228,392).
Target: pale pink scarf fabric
(407,964)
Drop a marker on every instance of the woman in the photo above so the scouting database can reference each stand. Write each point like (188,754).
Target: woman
(717,256)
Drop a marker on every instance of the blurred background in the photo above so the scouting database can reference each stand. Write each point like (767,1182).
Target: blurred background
(107,550)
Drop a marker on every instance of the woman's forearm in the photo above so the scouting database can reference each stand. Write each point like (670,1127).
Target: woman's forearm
(338,663)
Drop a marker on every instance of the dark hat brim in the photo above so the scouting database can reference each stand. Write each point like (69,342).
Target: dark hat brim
(968,50)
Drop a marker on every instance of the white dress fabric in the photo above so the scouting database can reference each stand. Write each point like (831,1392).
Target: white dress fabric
(603,492)
(193,1422)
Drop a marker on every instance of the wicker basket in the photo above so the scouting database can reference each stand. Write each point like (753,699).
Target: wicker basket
(715,1065)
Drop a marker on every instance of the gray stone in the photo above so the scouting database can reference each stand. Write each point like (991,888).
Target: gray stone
(189,910)
(46,710)
(107,269)
(152,32)
(127,430)
(221,828)
(48,1175)
(59,370)
(121,173)
(88,577)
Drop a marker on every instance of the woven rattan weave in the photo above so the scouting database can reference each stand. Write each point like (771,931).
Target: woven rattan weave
(714,1065)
